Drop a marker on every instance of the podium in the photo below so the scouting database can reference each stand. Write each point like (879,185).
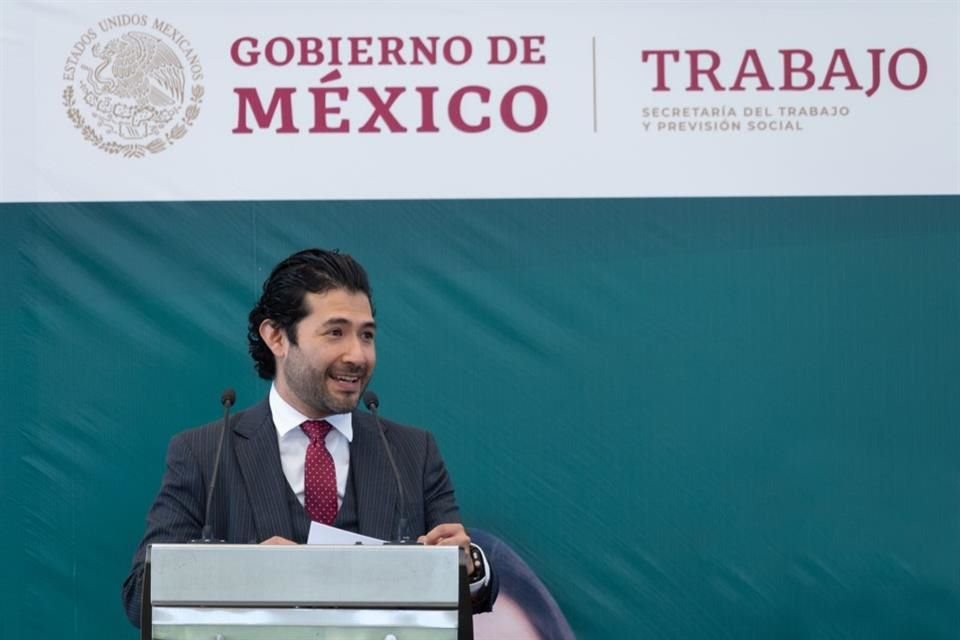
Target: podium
(296,592)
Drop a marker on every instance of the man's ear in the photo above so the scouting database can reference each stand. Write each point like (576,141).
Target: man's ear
(274,337)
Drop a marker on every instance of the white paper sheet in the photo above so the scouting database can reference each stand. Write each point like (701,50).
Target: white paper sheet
(325,534)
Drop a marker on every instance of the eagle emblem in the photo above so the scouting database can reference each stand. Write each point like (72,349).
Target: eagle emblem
(134,90)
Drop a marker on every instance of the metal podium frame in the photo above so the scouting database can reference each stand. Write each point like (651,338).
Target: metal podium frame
(296,592)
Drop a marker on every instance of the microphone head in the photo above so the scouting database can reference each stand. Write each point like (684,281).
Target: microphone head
(228,397)
(370,400)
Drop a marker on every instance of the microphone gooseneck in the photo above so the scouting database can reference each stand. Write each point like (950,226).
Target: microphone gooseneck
(372,403)
(228,398)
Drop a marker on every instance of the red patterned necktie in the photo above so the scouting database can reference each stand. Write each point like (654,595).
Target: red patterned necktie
(320,475)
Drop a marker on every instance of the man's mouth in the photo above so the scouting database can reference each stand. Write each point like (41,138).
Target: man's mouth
(347,382)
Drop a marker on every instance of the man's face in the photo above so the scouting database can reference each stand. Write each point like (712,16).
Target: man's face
(333,360)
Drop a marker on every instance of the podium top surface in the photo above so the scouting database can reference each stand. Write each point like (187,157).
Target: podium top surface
(201,575)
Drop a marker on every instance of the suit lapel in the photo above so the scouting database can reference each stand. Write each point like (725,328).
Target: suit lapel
(258,456)
(374,485)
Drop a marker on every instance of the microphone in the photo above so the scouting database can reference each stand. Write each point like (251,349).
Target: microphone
(227,399)
(372,403)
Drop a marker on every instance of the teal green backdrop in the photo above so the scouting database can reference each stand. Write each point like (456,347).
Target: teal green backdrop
(708,418)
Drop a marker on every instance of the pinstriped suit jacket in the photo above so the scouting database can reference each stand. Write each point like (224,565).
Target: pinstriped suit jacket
(250,500)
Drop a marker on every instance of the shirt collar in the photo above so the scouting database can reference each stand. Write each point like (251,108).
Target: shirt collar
(286,418)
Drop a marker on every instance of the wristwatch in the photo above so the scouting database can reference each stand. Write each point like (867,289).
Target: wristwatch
(481,570)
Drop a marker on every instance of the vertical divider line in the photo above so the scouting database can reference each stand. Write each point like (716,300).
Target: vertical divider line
(594,84)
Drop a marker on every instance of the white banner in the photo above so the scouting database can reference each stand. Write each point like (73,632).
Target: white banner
(218,101)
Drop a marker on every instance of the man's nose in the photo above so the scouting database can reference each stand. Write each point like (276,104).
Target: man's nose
(355,352)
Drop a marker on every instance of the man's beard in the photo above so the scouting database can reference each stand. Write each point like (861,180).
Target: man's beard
(310,386)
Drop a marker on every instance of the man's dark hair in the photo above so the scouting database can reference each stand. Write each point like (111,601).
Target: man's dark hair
(284,292)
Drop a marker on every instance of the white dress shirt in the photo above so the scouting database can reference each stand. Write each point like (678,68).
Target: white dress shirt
(293,444)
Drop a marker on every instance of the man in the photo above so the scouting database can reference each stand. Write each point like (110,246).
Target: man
(303,453)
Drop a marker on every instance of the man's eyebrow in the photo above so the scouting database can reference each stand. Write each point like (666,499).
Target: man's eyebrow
(338,322)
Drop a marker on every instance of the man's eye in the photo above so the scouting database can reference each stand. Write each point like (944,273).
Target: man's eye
(335,332)
(368,336)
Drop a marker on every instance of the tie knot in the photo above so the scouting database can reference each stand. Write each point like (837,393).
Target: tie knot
(316,430)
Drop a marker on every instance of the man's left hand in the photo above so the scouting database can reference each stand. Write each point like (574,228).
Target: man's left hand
(450,534)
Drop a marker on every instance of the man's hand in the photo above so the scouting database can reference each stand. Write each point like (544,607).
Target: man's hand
(450,534)
(277,540)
